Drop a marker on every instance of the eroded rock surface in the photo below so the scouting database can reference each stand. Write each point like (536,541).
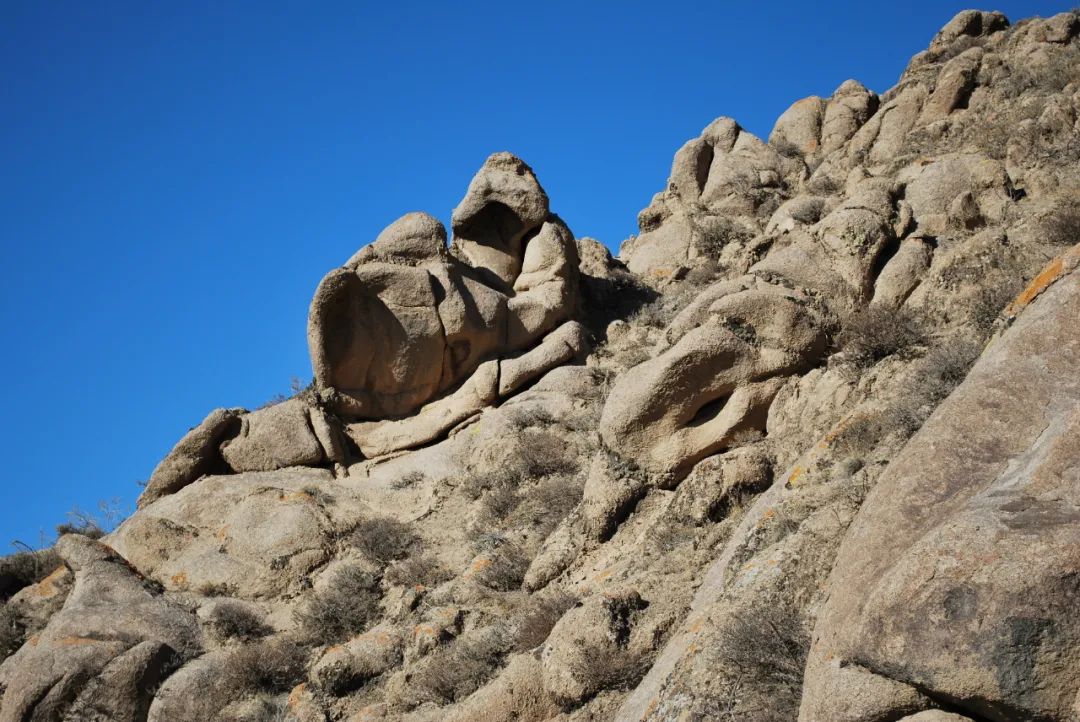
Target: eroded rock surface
(723,475)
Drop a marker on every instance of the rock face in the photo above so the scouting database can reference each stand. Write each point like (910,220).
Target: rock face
(807,448)
(407,318)
(969,599)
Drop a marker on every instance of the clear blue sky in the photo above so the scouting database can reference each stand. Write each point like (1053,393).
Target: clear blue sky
(178,177)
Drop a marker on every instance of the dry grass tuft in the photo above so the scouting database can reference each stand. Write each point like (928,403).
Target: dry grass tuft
(345,607)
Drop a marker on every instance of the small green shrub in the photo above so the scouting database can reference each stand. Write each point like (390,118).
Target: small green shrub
(345,607)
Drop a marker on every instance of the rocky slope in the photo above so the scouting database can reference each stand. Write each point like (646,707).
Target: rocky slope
(807,449)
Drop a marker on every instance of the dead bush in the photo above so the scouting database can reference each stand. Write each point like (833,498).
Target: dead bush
(945,366)
(382,539)
(877,332)
(459,669)
(541,614)
(1063,228)
(12,631)
(412,478)
(271,666)
(319,495)
(234,620)
(766,646)
(786,148)
(542,453)
(24,568)
(422,569)
(346,606)
(501,569)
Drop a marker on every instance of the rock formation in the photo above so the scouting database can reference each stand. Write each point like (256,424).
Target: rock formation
(807,449)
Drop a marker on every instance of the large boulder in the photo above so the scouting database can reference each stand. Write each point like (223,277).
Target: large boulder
(104,653)
(957,583)
(406,320)
(729,351)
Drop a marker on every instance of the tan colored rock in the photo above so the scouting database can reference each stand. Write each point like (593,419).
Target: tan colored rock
(903,272)
(593,646)
(973,23)
(414,239)
(516,694)
(349,665)
(729,350)
(273,438)
(993,470)
(954,86)
(504,203)
(91,655)
(850,106)
(195,455)
(258,533)
(935,715)
(800,125)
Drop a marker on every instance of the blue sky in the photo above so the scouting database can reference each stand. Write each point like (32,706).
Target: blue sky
(178,177)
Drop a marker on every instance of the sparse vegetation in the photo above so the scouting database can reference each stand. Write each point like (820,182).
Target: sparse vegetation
(345,607)
(12,631)
(764,647)
(382,539)
(24,568)
(877,332)
(421,569)
(231,619)
(457,670)
(541,614)
(269,666)
(321,496)
(786,148)
(1063,228)
(412,478)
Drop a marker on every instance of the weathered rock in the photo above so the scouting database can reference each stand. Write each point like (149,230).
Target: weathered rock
(348,666)
(593,646)
(503,204)
(195,455)
(993,470)
(112,641)
(258,534)
(729,350)
(273,438)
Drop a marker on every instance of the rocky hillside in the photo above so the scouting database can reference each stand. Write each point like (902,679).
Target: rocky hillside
(809,448)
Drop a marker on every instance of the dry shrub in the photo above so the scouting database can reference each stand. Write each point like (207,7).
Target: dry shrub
(459,669)
(1063,228)
(540,615)
(765,647)
(501,568)
(877,332)
(12,631)
(321,496)
(422,569)
(345,607)
(24,568)
(383,539)
(270,666)
(786,148)
(412,478)
(234,620)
